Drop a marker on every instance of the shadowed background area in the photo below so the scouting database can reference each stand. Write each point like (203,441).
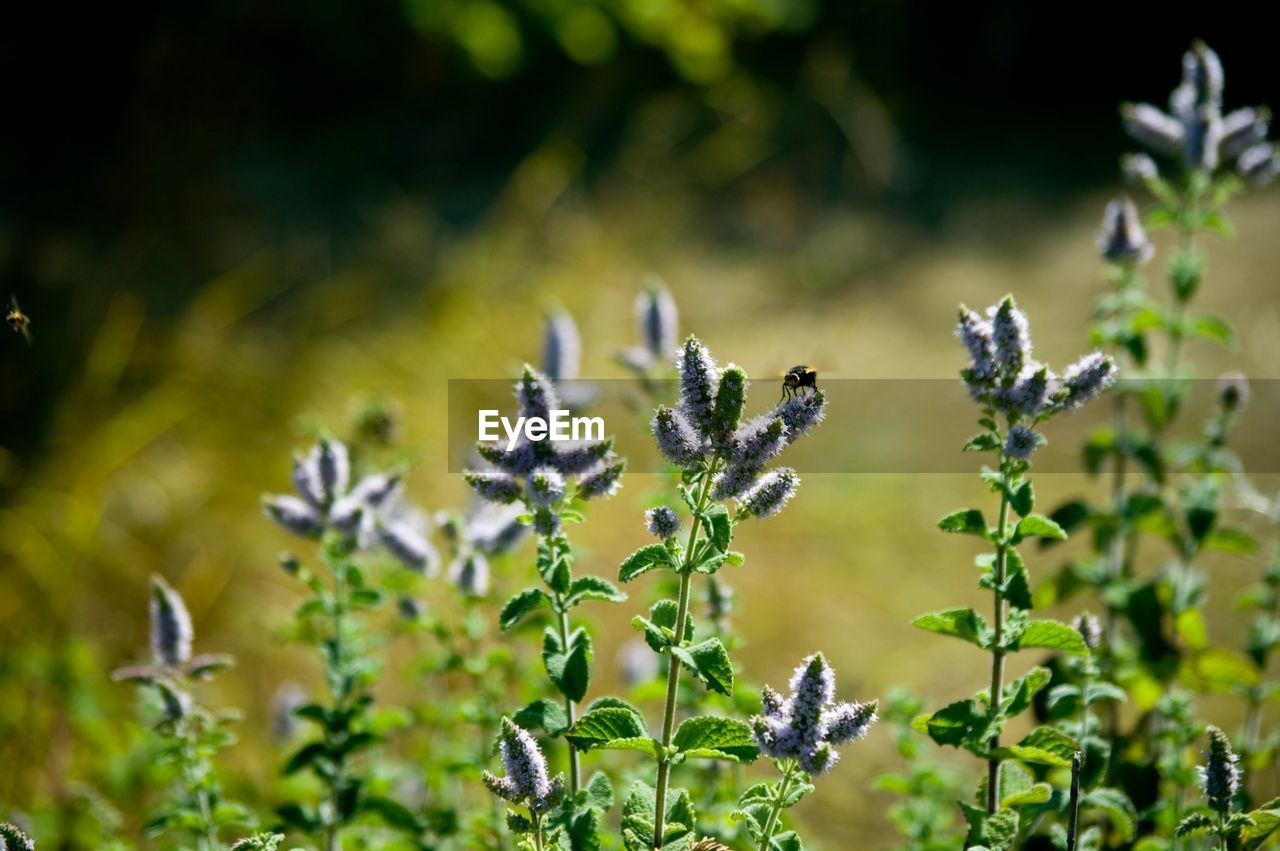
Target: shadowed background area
(233,223)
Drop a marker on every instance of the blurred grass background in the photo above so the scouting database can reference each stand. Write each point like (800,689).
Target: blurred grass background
(232,222)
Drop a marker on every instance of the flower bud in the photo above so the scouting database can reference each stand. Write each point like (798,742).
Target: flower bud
(662,522)
(171,633)
(561,347)
(699,378)
(1122,239)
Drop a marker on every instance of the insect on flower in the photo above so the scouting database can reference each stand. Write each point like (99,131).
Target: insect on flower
(797,378)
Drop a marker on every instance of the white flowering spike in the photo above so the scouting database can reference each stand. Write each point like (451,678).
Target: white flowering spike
(535,395)
(1243,129)
(12,839)
(1153,128)
(527,781)
(333,465)
(735,481)
(661,522)
(544,486)
(1011,335)
(677,440)
(1086,378)
(1259,164)
(171,633)
(602,480)
(561,347)
(409,546)
(809,725)
(801,414)
(574,457)
(759,440)
(294,514)
(699,381)
(656,320)
(1090,629)
(771,493)
(1021,442)
(1220,776)
(493,528)
(1139,169)
(470,574)
(495,487)
(1122,239)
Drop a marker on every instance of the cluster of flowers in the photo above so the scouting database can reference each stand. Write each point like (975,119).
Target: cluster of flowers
(656,322)
(534,471)
(1004,377)
(809,725)
(705,424)
(1195,132)
(369,513)
(1221,774)
(172,664)
(527,782)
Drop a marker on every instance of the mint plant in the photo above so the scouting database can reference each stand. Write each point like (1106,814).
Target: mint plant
(190,735)
(1015,394)
(800,734)
(345,517)
(721,458)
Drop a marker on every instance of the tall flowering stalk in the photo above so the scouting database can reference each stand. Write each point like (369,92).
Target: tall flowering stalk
(191,734)
(527,783)
(800,734)
(1220,779)
(13,839)
(1016,394)
(722,458)
(537,475)
(345,516)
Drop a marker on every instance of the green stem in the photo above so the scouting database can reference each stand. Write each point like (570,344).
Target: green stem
(570,709)
(673,669)
(1073,818)
(997,653)
(771,824)
(333,826)
(207,837)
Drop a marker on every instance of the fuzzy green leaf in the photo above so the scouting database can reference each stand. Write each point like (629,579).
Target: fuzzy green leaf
(1038,526)
(645,559)
(612,728)
(966,521)
(520,605)
(710,662)
(1043,745)
(707,737)
(719,527)
(965,624)
(1052,635)
(593,588)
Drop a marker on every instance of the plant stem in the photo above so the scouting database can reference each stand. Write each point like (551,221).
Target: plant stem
(1074,818)
(997,653)
(673,670)
(339,684)
(569,709)
(772,821)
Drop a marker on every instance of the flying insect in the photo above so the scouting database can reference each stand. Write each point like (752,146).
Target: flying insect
(19,321)
(799,377)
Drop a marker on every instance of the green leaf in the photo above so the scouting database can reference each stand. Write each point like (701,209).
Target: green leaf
(1212,328)
(1194,823)
(965,624)
(1038,526)
(707,737)
(966,521)
(719,527)
(1266,821)
(593,588)
(519,606)
(1043,745)
(568,668)
(1117,806)
(598,794)
(962,724)
(995,832)
(393,813)
(660,628)
(1039,793)
(1231,541)
(645,559)
(1023,499)
(1052,635)
(612,728)
(543,714)
(983,441)
(1018,694)
(710,662)
(305,756)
